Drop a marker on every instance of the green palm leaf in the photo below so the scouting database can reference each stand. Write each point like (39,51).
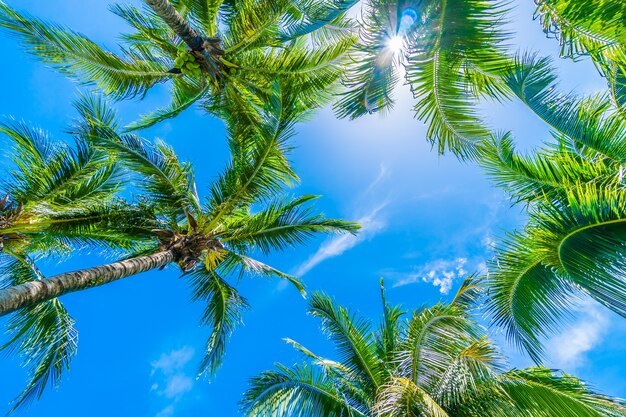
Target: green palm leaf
(43,335)
(350,336)
(184,94)
(222,313)
(539,389)
(283,223)
(299,391)
(77,56)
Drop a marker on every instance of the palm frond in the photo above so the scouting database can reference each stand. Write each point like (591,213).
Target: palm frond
(331,367)
(587,27)
(617,86)
(257,171)
(525,297)
(476,363)
(252,24)
(469,293)
(43,334)
(445,105)
(77,56)
(590,123)
(224,307)
(584,241)
(402,397)
(369,82)
(166,180)
(204,12)
(389,331)
(434,337)
(51,176)
(539,390)
(351,337)
(151,30)
(298,391)
(185,92)
(245,264)
(545,174)
(315,16)
(283,223)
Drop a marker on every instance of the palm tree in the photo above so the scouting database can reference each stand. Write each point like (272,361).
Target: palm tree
(244,212)
(449,52)
(435,362)
(57,200)
(590,28)
(226,55)
(573,242)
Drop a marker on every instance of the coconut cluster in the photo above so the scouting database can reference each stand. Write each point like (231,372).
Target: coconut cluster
(187,64)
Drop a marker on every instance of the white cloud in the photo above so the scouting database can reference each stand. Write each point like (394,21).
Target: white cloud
(371,224)
(568,350)
(177,385)
(166,412)
(489,243)
(173,361)
(441,273)
(171,381)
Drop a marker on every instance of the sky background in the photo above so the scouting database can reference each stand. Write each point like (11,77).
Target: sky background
(427,221)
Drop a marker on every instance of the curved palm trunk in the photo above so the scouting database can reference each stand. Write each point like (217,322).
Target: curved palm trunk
(35,292)
(175,21)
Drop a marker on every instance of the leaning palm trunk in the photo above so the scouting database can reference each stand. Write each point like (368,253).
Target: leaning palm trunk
(175,21)
(35,292)
(206,51)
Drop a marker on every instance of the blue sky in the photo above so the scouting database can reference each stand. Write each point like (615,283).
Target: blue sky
(427,220)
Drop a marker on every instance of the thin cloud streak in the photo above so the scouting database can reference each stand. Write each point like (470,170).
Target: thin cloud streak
(371,224)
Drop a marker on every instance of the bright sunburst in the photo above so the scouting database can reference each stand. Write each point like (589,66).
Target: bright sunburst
(395,44)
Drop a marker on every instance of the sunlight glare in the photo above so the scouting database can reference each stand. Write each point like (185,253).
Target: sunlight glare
(395,44)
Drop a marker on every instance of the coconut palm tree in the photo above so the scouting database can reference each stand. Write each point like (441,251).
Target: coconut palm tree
(246,211)
(226,55)
(435,361)
(590,28)
(449,52)
(57,199)
(573,242)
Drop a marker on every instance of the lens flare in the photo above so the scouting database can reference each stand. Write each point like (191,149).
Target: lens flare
(407,19)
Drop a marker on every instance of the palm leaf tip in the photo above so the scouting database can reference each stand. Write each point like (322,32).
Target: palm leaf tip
(223,313)
(44,334)
(77,56)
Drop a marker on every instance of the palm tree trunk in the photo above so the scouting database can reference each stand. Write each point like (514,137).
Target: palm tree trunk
(35,292)
(175,21)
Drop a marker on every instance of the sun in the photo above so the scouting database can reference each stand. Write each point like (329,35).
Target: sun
(395,44)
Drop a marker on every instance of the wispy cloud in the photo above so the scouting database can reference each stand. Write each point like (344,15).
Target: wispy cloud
(172,362)
(568,350)
(171,381)
(370,218)
(371,224)
(166,412)
(441,273)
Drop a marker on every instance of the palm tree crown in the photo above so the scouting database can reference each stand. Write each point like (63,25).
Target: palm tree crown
(436,362)
(227,55)
(58,199)
(573,243)
(246,211)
